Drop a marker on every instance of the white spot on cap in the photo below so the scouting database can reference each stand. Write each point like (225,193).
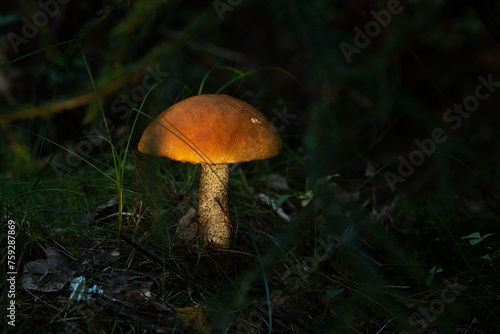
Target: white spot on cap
(254,120)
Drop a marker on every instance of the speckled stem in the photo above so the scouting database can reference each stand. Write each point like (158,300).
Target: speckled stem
(213,205)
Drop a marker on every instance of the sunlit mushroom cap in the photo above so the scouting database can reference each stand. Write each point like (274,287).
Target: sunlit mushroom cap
(211,129)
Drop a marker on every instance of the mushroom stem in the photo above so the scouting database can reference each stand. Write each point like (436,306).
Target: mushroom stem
(213,205)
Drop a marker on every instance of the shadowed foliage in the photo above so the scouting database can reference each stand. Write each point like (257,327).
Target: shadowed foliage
(380,215)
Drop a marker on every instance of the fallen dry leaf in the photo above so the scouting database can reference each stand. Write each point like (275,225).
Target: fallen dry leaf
(187,229)
(49,275)
(195,319)
(277,181)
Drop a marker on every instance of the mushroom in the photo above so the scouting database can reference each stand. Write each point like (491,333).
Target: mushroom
(213,130)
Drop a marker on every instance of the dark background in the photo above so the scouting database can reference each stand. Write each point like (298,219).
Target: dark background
(350,121)
(395,90)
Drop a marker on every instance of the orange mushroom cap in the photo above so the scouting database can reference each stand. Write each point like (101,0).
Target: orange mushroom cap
(211,129)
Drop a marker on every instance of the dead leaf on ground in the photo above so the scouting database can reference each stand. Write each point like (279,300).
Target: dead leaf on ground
(277,181)
(187,229)
(47,275)
(194,318)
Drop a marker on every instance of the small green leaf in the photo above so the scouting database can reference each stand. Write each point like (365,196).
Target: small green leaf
(333,293)
(434,270)
(476,237)
(305,198)
(475,241)
(282,200)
